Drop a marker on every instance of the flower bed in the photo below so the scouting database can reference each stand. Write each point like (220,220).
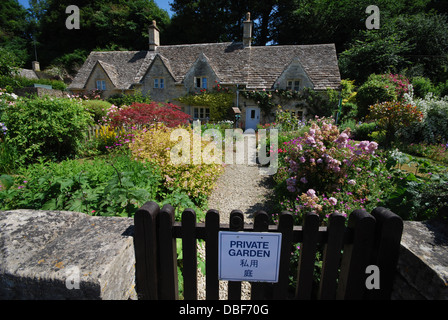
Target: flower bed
(324,171)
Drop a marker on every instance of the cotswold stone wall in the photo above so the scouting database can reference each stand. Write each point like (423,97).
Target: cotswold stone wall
(65,255)
(70,255)
(423,262)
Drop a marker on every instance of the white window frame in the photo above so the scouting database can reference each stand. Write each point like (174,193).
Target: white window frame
(159,83)
(101,85)
(200,82)
(293,84)
(201,113)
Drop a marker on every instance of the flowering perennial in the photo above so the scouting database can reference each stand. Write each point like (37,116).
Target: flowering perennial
(323,167)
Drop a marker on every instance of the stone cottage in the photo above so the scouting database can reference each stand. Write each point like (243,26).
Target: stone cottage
(167,72)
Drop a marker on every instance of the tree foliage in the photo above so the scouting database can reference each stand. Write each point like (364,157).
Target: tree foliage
(413,35)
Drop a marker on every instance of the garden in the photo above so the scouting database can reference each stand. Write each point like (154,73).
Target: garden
(88,155)
(385,144)
(389,148)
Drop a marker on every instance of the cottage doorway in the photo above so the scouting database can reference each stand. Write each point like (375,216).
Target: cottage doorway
(252,117)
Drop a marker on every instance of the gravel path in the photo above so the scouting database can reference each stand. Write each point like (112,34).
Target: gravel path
(242,187)
(239,187)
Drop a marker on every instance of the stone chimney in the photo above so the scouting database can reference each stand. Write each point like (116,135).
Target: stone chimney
(154,39)
(247,31)
(36,66)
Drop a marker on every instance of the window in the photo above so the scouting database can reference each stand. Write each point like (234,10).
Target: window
(201,113)
(293,85)
(101,85)
(159,83)
(200,82)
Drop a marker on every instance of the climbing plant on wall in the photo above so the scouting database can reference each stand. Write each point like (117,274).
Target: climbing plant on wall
(219,100)
(321,103)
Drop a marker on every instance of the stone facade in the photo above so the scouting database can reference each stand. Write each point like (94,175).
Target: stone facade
(184,69)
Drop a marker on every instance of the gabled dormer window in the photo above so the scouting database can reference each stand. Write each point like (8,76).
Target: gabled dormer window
(101,85)
(293,85)
(200,82)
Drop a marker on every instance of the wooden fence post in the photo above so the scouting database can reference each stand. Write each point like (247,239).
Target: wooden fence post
(211,254)
(356,256)
(285,226)
(386,249)
(259,289)
(168,283)
(189,249)
(331,256)
(236,223)
(145,242)
(307,256)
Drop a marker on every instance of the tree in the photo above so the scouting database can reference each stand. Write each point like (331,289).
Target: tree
(104,24)
(13,36)
(9,62)
(414,44)
(375,53)
(200,21)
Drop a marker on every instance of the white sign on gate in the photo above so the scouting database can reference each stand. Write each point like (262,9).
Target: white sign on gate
(249,256)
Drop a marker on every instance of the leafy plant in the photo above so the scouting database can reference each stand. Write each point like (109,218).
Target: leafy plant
(376,89)
(324,171)
(140,114)
(52,128)
(391,116)
(219,102)
(115,186)
(196,180)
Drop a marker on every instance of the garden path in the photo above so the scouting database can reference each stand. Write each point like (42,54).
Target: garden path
(240,187)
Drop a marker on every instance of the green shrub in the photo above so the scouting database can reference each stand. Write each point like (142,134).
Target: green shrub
(120,99)
(21,82)
(349,110)
(97,108)
(422,86)
(115,186)
(443,88)
(364,130)
(433,128)
(376,89)
(52,128)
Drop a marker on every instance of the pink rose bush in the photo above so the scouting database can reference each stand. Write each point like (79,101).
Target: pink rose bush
(325,171)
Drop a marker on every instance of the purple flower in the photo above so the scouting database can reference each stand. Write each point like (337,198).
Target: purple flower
(303,180)
(310,140)
(311,193)
(333,201)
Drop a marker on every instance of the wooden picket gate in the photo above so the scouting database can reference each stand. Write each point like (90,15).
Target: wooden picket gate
(367,239)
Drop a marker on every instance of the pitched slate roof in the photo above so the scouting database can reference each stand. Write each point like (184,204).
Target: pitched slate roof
(255,67)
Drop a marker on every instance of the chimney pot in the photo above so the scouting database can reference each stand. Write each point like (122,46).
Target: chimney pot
(247,31)
(154,38)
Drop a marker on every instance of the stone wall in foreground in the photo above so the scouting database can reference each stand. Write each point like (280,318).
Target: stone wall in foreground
(70,255)
(423,263)
(65,255)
